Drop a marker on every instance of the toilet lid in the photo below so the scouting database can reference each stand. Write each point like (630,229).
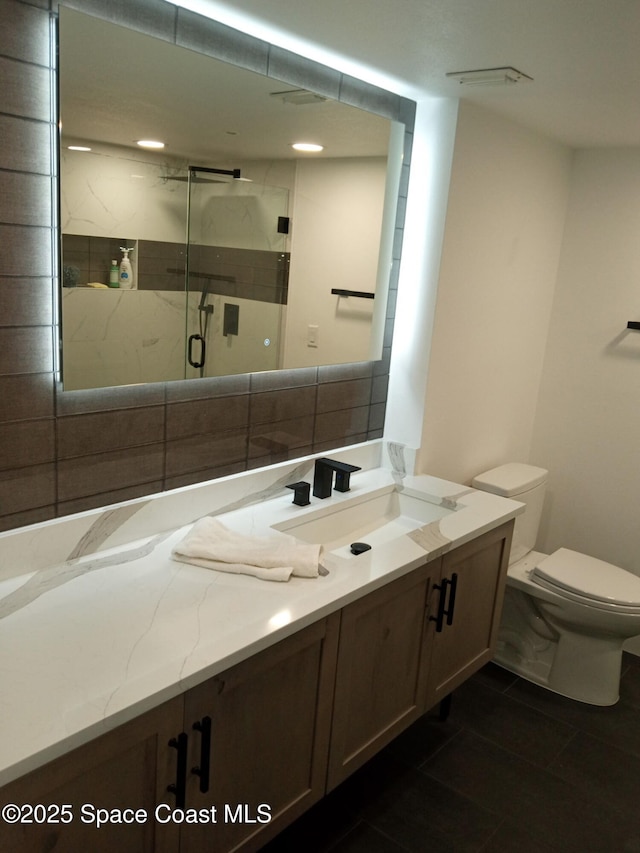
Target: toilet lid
(592,579)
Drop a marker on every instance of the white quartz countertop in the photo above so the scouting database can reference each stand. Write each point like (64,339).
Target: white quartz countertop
(88,643)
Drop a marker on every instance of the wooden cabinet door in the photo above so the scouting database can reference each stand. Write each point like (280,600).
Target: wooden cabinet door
(127,769)
(465,610)
(270,718)
(380,677)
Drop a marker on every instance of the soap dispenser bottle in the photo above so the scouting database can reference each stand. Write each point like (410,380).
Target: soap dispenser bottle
(125,278)
(114,274)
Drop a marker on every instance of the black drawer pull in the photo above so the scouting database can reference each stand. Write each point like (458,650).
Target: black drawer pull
(179,789)
(202,770)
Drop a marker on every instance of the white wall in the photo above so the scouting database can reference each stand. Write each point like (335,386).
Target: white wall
(336,224)
(503,234)
(587,430)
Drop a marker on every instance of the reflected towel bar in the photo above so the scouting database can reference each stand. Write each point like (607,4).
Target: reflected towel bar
(362,293)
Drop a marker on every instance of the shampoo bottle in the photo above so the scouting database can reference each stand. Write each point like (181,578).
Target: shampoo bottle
(125,278)
(114,274)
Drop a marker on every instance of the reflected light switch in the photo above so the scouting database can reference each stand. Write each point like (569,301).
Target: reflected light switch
(312,336)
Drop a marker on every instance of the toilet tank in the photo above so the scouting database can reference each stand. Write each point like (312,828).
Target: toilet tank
(524,483)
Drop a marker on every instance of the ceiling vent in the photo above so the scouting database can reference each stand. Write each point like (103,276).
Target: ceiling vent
(504,76)
(298,97)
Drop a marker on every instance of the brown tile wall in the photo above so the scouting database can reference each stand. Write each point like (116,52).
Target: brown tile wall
(62,452)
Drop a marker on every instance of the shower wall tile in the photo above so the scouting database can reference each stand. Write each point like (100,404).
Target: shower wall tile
(106,498)
(368,97)
(24,443)
(303,73)
(204,417)
(26,396)
(376,416)
(109,399)
(379,388)
(26,251)
(147,16)
(275,380)
(27,489)
(381,368)
(223,386)
(336,426)
(342,372)
(83,435)
(30,516)
(334,396)
(273,406)
(102,473)
(25,199)
(328,445)
(280,438)
(204,474)
(26,350)
(28,38)
(221,42)
(25,89)
(26,302)
(203,452)
(24,145)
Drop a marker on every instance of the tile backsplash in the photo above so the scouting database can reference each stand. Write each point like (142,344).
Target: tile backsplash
(62,452)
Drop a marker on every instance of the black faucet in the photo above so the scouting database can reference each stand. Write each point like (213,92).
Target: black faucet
(323,476)
(300,493)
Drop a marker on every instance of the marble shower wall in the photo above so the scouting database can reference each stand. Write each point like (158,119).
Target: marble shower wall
(61,452)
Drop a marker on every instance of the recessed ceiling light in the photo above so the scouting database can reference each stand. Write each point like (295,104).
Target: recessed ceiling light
(307,146)
(505,75)
(78,148)
(150,143)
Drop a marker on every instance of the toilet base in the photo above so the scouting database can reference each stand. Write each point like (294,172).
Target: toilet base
(593,685)
(534,646)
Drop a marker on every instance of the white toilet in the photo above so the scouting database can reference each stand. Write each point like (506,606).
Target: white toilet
(566,615)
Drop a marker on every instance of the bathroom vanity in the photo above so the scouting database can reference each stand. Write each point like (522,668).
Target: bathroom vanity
(201,710)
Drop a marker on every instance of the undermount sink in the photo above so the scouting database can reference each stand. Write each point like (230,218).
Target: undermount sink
(372,519)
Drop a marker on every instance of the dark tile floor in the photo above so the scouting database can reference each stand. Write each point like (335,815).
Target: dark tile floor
(513,768)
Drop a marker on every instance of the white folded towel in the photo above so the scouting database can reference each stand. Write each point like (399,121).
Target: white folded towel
(213,546)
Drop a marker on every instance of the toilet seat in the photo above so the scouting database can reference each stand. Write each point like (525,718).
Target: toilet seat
(589,581)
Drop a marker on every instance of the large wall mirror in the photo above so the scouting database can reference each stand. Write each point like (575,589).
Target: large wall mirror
(245,254)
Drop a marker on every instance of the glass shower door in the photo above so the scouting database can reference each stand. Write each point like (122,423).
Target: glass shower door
(236,273)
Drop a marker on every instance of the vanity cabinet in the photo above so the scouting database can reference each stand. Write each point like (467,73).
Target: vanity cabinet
(249,750)
(270,722)
(129,768)
(381,671)
(465,610)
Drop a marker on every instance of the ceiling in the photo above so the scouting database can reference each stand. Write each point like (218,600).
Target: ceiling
(584,55)
(208,112)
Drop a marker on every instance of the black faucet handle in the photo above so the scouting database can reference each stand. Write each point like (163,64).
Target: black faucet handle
(300,492)
(343,474)
(343,478)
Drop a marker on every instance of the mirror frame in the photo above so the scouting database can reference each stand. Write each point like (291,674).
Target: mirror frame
(193,31)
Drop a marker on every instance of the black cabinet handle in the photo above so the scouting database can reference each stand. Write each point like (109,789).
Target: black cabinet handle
(179,789)
(202,770)
(439,617)
(443,609)
(203,350)
(453,585)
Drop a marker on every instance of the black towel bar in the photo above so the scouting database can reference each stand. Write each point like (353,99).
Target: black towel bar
(362,293)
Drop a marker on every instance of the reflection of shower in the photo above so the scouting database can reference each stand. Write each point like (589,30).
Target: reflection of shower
(204,311)
(192,178)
